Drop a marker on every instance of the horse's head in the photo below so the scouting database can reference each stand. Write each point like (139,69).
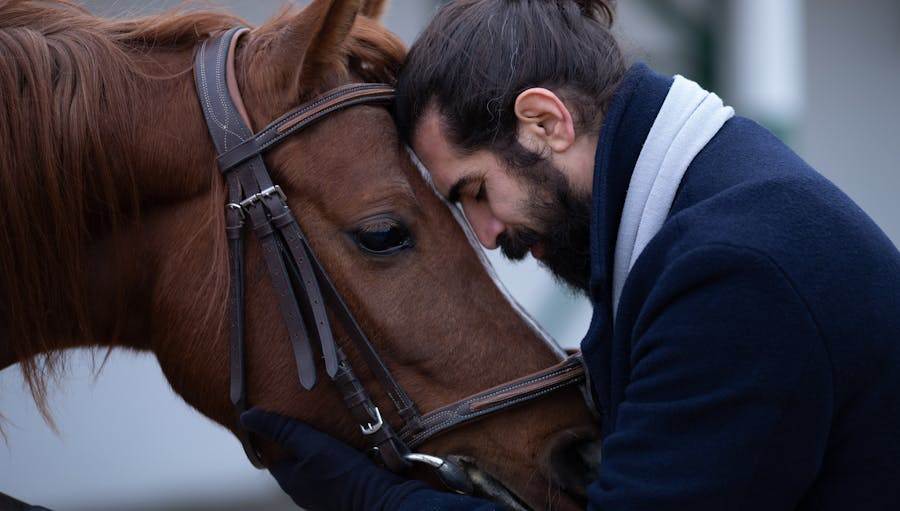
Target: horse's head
(394,250)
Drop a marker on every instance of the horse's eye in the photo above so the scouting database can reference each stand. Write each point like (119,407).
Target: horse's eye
(383,237)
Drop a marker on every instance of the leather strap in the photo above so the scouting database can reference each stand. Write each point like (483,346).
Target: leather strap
(228,130)
(286,253)
(273,251)
(304,116)
(523,390)
(404,405)
(284,221)
(384,443)
(210,58)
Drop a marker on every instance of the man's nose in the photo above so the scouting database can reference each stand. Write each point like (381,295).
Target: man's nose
(486,226)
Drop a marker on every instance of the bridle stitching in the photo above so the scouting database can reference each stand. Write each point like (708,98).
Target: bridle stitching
(220,63)
(395,400)
(281,137)
(421,437)
(454,411)
(525,383)
(313,104)
(209,109)
(220,60)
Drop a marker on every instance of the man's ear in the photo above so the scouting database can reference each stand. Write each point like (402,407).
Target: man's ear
(544,121)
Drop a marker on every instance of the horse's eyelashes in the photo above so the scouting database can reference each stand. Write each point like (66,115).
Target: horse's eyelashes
(379,225)
(383,237)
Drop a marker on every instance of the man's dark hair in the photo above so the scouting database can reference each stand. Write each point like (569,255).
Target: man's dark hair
(477,56)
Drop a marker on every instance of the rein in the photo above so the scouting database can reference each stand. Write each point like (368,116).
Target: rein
(305,291)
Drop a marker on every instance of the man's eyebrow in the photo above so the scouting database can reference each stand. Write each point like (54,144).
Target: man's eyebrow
(455,192)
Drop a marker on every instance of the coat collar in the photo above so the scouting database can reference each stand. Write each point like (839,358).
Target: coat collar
(627,123)
(630,116)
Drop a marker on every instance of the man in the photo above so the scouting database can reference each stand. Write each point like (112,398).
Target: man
(745,346)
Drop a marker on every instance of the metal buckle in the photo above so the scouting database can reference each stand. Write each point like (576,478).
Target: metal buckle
(449,471)
(268,192)
(238,208)
(370,428)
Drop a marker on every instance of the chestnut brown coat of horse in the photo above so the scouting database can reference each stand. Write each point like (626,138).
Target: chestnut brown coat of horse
(113,230)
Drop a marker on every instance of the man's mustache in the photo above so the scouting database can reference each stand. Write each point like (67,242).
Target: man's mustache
(516,243)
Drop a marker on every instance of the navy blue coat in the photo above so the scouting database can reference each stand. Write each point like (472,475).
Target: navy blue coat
(754,362)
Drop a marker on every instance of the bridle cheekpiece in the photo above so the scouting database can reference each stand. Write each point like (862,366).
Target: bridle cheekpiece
(304,290)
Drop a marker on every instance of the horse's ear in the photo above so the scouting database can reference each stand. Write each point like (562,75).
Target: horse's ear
(302,45)
(373,9)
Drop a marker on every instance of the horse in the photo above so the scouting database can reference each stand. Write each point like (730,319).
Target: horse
(114,232)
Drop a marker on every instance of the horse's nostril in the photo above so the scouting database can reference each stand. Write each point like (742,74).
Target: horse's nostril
(571,460)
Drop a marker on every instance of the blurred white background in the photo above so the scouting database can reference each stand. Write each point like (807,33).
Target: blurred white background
(823,74)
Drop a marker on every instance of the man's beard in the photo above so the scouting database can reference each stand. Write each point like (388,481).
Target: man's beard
(561,219)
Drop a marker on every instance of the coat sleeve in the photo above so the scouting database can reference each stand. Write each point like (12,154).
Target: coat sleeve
(432,500)
(729,395)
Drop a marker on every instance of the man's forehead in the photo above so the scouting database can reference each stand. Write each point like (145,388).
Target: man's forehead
(430,133)
(434,150)
(430,124)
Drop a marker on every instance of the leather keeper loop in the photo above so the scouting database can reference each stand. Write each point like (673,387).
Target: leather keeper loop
(283,220)
(264,230)
(356,399)
(240,154)
(235,232)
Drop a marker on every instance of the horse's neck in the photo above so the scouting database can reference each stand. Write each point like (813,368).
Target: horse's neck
(117,273)
(175,167)
(157,157)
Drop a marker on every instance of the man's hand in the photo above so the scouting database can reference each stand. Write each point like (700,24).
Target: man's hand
(326,474)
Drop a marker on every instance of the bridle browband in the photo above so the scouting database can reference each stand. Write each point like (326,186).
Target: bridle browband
(304,290)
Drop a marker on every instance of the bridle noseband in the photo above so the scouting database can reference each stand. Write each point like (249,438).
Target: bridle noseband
(304,290)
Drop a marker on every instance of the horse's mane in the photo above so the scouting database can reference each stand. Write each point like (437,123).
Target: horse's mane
(64,72)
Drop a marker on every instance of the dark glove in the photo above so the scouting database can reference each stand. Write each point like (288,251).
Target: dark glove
(328,475)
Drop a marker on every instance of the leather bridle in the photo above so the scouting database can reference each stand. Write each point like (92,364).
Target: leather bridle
(303,288)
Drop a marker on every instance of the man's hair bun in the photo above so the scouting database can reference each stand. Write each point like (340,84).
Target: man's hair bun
(600,10)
